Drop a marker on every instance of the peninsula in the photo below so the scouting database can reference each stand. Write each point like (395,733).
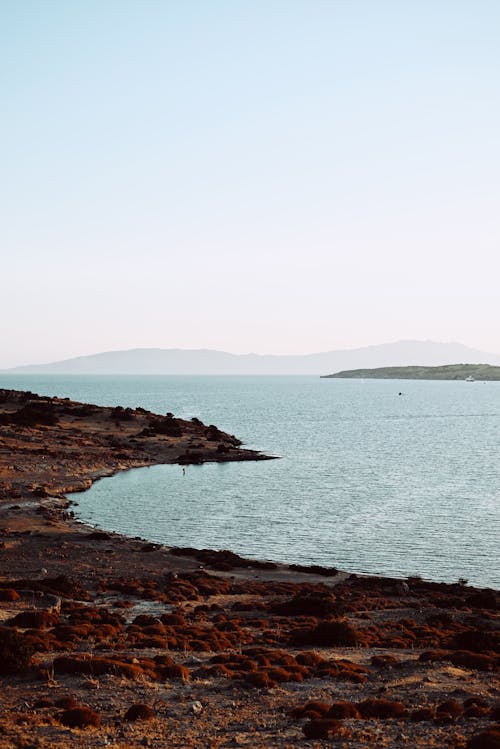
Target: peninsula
(484,372)
(113,641)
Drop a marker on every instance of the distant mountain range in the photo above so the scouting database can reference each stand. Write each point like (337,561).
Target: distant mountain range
(207,362)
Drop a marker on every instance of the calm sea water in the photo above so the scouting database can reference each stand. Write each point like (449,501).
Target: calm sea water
(368,480)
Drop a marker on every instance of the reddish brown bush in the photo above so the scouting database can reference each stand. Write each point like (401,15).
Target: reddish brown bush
(422,713)
(485,599)
(42,703)
(384,661)
(9,594)
(175,671)
(342,668)
(449,707)
(495,712)
(309,658)
(219,670)
(476,661)
(138,711)
(72,633)
(96,666)
(34,620)
(312,709)
(489,739)
(279,675)
(472,701)
(66,703)
(258,679)
(80,717)
(477,641)
(381,708)
(307,604)
(476,711)
(145,620)
(343,710)
(434,655)
(328,634)
(138,641)
(16,651)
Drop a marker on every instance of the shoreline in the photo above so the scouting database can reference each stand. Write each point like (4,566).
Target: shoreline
(223,651)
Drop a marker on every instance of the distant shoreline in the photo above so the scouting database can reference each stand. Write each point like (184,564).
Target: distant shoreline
(466,372)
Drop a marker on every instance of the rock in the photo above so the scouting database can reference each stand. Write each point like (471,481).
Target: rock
(196,707)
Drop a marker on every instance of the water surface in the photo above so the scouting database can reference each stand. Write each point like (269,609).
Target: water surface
(368,480)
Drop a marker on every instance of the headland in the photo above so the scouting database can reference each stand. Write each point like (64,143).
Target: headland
(483,372)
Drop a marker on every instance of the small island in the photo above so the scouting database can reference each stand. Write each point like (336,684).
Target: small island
(469,372)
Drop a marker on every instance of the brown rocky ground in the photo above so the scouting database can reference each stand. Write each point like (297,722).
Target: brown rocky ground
(204,648)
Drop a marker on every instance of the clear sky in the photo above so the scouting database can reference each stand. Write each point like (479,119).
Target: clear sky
(267,175)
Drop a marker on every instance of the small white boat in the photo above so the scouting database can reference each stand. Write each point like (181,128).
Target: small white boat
(470,378)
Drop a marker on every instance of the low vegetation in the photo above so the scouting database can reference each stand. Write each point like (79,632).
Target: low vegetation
(482,372)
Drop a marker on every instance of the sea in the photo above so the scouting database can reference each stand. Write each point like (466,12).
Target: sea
(386,477)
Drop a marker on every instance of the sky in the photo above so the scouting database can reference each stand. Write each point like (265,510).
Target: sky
(269,176)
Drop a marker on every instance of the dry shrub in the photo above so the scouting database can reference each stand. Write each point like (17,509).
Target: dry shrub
(80,717)
(34,620)
(489,739)
(312,709)
(214,672)
(384,661)
(477,641)
(434,655)
(154,629)
(90,615)
(258,679)
(328,634)
(96,666)
(174,671)
(475,701)
(484,599)
(422,713)
(495,712)
(307,604)
(321,728)
(299,673)
(279,675)
(145,620)
(343,710)
(72,633)
(476,711)
(66,703)
(142,642)
(381,708)
(62,585)
(43,702)
(342,669)
(138,711)
(450,707)
(476,661)
(41,641)
(309,658)
(9,594)
(16,651)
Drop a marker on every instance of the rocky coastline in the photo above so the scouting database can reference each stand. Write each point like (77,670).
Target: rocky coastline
(118,642)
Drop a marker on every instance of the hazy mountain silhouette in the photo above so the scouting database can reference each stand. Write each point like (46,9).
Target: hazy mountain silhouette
(206,362)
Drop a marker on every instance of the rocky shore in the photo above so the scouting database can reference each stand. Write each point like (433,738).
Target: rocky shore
(118,642)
